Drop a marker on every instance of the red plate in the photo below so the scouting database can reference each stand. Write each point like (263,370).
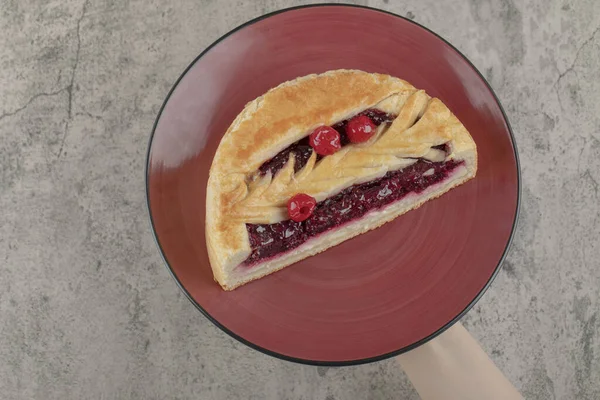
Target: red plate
(381,293)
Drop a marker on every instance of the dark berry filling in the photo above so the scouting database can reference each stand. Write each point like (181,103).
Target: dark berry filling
(269,240)
(302,149)
(378,117)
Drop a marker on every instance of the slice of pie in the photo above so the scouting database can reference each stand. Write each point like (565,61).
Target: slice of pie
(321,159)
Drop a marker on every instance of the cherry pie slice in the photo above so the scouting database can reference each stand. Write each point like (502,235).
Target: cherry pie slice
(321,159)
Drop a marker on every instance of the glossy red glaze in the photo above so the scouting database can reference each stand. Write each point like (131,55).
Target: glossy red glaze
(325,140)
(300,207)
(360,129)
(382,292)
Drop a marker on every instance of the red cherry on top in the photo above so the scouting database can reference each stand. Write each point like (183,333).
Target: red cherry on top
(301,206)
(360,129)
(325,140)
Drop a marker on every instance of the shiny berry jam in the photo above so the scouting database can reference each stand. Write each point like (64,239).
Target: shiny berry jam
(269,240)
(378,117)
(302,149)
(302,152)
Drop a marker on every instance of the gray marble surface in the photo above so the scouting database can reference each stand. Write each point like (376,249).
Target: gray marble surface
(87,309)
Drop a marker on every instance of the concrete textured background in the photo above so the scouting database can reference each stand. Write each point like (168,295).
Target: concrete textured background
(87,309)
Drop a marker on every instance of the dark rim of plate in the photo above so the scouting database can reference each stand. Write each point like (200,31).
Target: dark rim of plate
(363,360)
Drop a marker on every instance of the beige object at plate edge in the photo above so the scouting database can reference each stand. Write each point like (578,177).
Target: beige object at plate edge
(453,366)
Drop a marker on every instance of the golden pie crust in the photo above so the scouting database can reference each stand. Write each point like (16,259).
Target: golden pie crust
(237,194)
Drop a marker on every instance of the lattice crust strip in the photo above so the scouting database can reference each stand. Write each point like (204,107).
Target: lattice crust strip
(395,145)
